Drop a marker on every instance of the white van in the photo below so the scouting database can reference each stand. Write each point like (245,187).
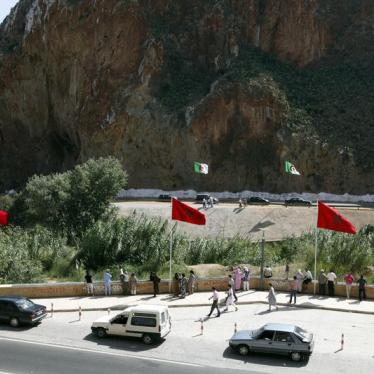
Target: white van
(148,322)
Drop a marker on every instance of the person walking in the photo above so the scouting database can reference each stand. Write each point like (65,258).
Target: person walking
(237,279)
(184,284)
(299,278)
(133,281)
(293,290)
(322,280)
(107,282)
(246,278)
(361,288)
(215,297)
(232,284)
(191,282)
(177,278)
(348,278)
(331,280)
(155,280)
(230,299)
(89,284)
(268,272)
(272,299)
(124,278)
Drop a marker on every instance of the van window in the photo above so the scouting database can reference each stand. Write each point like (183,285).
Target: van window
(163,318)
(143,321)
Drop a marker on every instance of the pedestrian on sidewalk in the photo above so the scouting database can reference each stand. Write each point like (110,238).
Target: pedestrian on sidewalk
(348,283)
(237,279)
(177,280)
(361,288)
(107,282)
(124,278)
(133,283)
(322,280)
(184,284)
(268,272)
(287,270)
(191,282)
(299,278)
(155,280)
(293,290)
(331,280)
(215,297)
(232,284)
(272,299)
(308,277)
(230,299)
(89,284)
(246,278)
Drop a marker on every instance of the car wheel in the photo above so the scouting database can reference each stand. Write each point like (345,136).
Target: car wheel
(147,339)
(101,333)
(14,322)
(296,356)
(243,350)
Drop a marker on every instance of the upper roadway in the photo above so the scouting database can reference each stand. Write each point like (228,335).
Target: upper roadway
(227,220)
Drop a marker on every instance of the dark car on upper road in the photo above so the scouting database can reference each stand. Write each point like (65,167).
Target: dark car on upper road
(164,197)
(275,338)
(17,310)
(257,200)
(200,198)
(297,201)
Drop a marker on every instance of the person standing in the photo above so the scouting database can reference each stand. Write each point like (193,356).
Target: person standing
(191,282)
(299,278)
(177,279)
(124,278)
(348,278)
(287,270)
(215,297)
(155,280)
(89,284)
(232,284)
(107,283)
(133,283)
(361,288)
(331,280)
(272,299)
(246,277)
(322,280)
(230,299)
(183,286)
(308,277)
(237,279)
(293,290)
(268,272)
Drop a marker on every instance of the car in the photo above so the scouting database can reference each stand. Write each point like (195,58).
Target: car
(200,198)
(150,323)
(18,310)
(298,201)
(275,338)
(164,197)
(257,200)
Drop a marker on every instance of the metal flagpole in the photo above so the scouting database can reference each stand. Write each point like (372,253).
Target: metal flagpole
(315,261)
(170,259)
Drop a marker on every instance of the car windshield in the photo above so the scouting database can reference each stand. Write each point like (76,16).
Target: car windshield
(302,333)
(258,331)
(24,304)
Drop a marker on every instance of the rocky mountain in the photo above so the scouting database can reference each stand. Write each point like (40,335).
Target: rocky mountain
(242,85)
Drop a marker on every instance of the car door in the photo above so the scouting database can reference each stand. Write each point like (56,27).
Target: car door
(283,343)
(118,325)
(4,315)
(264,342)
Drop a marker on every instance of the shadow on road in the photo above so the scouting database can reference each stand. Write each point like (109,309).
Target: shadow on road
(20,328)
(263,359)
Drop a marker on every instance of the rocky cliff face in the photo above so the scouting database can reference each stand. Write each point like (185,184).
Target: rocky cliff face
(240,84)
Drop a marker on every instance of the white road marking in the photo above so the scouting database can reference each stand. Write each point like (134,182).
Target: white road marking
(5,372)
(97,351)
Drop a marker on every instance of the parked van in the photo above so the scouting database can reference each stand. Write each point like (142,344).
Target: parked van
(147,322)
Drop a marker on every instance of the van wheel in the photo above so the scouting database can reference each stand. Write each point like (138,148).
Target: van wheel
(147,339)
(296,356)
(101,333)
(14,322)
(243,350)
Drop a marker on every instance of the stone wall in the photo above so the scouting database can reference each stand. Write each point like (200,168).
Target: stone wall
(70,289)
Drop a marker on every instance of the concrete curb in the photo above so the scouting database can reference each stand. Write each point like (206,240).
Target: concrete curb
(301,306)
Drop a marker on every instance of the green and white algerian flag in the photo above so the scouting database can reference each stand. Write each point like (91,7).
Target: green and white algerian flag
(200,168)
(290,168)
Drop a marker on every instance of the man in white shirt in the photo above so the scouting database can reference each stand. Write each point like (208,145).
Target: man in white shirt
(331,280)
(215,297)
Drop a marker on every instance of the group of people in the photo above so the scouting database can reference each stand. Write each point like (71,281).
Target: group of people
(182,285)
(208,202)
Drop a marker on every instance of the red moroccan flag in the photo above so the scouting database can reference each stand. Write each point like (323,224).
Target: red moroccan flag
(4,217)
(183,212)
(330,219)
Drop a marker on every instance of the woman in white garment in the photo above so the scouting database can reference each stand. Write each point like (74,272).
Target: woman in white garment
(230,299)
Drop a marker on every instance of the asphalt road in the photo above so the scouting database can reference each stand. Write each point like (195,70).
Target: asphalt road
(65,343)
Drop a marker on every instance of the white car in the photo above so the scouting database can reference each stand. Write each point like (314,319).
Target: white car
(147,322)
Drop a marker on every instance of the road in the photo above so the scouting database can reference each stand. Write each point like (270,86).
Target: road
(64,343)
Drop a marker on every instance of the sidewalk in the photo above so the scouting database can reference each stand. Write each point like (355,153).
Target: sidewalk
(72,304)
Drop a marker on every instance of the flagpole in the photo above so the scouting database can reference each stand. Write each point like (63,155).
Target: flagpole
(315,261)
(170,259)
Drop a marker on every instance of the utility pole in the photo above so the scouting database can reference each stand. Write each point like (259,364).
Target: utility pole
(262,260)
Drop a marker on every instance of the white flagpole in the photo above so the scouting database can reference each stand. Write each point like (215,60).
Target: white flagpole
(315,261)
(170,259)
